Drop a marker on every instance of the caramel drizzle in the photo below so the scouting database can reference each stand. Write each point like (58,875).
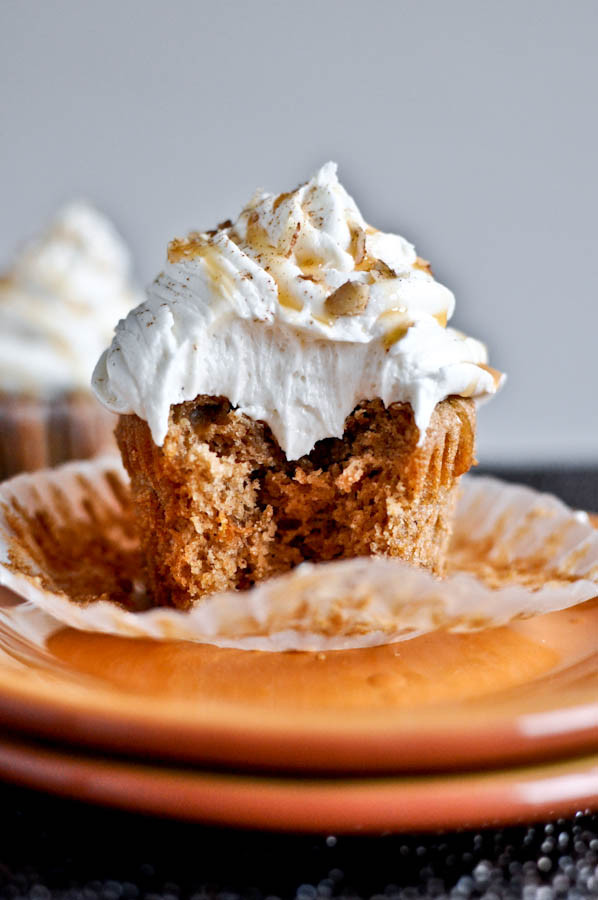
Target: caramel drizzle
(496,375)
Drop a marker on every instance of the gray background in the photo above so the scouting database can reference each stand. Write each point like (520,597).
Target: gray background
(467,125)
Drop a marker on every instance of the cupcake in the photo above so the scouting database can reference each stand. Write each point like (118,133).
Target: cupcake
(59,302)
(290,391)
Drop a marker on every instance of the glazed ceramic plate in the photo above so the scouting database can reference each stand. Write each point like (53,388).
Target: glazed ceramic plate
(513,695)
(325,805)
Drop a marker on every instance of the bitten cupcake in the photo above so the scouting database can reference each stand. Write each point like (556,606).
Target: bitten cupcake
(290,391)
(59,302)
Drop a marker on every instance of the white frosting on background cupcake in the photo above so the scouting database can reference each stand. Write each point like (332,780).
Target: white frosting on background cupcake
(59,302)
(296,313)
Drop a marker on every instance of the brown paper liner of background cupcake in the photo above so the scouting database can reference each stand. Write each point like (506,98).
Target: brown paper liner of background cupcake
(38,432)
(68,544)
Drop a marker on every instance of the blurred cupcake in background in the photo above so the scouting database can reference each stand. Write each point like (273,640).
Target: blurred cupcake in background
(59,303)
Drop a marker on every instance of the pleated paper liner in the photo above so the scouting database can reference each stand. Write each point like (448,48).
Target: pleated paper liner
(36,432)
(68,544)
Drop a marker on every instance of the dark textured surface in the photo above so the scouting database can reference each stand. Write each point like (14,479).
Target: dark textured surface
(51,848)
(59,849)
(576,486)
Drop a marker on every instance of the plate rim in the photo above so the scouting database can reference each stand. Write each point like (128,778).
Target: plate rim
(254,738)
(345,805)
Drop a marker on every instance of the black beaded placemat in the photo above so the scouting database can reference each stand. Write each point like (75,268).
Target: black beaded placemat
(576,486)
(61,849)
(53,849)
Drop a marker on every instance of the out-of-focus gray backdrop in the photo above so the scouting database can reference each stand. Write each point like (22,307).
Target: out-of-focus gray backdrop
(468,126)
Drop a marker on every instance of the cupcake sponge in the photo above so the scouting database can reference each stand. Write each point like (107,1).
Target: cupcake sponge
(220,507)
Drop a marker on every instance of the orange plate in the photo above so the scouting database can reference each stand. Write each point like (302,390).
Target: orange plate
(503,696)
(315,805)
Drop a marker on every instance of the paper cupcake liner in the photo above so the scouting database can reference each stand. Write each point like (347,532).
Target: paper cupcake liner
(36,432)
(67,544)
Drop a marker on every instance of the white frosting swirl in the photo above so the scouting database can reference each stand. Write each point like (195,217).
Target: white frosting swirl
(59,302)
(249,311)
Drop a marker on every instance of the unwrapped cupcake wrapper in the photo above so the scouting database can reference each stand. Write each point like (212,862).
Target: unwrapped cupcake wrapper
(37,432)
(67,543)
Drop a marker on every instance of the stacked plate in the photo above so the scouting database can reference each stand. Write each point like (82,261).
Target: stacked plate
(444,730)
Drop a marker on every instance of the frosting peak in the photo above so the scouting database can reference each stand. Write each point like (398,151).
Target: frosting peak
(296,312)
(307,244)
